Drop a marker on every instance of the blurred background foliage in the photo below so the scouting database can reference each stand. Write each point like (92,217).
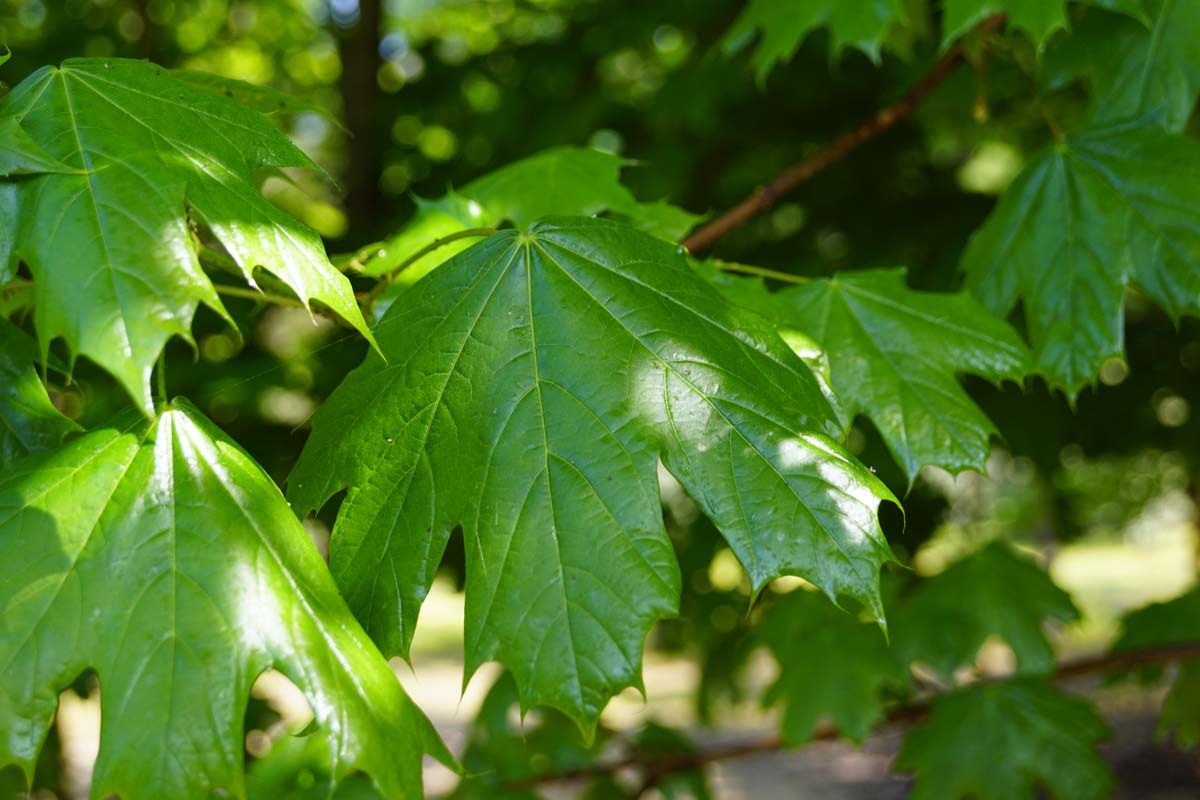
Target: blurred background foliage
(425,95)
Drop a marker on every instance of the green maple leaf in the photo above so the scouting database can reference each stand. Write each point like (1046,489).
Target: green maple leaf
(562,180)
(1009,596)
(168,561)
(532,383)
(1175,622)
(262,99)
(29,422)
(109,245)
(20,154)
(831,665)
(1038,18)
(782,25)
(893,355)
(1005,741)
(1103,209)
(1136,68)
(500,752)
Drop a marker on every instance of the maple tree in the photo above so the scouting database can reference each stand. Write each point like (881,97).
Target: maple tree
(543,351)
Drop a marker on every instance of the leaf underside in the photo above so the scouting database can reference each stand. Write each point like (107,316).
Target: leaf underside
(29,422)
(532,384)
(166,560)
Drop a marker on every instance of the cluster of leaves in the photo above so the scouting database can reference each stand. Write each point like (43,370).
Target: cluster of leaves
(524,389)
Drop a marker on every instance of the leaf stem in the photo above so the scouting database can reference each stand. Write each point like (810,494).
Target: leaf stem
(657,767)
(801,172)
(386,279)
(438,243)
(1051,122)
(256,294)
(161,372)
(15,286)
(762,272)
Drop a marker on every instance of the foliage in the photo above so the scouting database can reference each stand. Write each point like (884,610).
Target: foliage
(537,392)
(831,665)
(893,355)
(1010,598)
(219,581)
(1111,205)
(1025,735)
(569,356)
(147,152)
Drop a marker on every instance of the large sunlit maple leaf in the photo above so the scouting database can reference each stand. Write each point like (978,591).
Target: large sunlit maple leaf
(532,384)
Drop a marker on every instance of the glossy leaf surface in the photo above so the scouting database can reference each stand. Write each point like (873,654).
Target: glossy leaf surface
(1106,208)
(148,150)
(1006,741)
(165,559)
(532,383)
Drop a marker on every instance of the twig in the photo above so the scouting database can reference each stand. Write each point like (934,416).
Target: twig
(801,172)
(762,272)
(658,767)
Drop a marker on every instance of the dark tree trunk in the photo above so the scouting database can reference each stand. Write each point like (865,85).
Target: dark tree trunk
(359,47)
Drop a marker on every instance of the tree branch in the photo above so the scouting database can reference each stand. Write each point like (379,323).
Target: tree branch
(765,196)
(659,767)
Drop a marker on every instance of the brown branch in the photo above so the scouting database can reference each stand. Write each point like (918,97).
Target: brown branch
(801,172)
(658,767)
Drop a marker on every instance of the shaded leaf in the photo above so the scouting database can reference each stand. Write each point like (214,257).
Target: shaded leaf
(656,741)
(1174,622)
(532,383)
(8,228)
(1105,208)
(781,26)
(1005,741)
(501,752)
(20,155)
(117,236)
(832,665)
(167,560)
(1136,69)
(29,422)
(1038,18)
(993,592)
